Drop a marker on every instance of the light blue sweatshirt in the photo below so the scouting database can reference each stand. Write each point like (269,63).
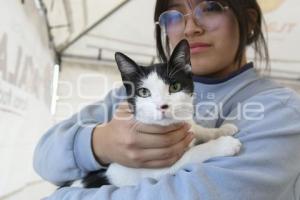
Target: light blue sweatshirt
(267,168)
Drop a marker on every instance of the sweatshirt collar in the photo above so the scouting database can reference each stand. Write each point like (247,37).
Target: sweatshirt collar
(206,80)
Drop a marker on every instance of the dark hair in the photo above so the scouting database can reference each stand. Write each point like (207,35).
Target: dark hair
(241,10)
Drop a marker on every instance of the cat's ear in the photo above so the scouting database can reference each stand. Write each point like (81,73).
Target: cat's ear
(125,64)
(181,56)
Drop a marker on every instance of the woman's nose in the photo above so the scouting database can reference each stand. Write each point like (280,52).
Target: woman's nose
(192,28)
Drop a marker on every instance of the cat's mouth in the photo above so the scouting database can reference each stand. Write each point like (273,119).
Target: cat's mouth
(165,115)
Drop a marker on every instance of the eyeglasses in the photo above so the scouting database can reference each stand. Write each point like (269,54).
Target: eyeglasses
(207,14)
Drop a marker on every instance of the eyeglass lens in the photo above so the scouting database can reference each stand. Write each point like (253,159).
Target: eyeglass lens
(207,14)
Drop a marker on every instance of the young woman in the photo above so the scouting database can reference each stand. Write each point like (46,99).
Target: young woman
(268,167)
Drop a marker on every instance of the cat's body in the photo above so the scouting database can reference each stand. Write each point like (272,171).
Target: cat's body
(163,94)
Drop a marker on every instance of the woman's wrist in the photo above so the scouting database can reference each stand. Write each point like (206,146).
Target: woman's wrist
(98,147)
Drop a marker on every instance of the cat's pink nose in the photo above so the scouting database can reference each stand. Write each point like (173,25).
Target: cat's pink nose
(164,106)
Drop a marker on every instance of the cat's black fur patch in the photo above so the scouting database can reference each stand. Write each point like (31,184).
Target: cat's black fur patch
(95,179)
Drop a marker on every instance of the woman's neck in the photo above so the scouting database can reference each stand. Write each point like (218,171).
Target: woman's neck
(227,71)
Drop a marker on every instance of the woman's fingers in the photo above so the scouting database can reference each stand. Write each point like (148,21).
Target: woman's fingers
(162,157)
(168,156)
(161,140)
(157,129)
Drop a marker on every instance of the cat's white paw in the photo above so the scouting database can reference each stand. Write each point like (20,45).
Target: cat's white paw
(227,146)
(228,130)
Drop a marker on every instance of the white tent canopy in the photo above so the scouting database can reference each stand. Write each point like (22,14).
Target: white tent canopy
(95,29)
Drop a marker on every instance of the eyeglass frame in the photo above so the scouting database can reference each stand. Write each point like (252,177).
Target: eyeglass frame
(224,8)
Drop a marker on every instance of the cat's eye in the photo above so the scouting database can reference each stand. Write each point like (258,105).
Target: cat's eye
(143,92)
(175,87)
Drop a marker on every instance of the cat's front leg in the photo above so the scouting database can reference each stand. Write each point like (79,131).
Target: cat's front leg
(226,146)
(203,134)
(227,130)
(223,146)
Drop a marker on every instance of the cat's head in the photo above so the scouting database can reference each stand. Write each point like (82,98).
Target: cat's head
(160,93)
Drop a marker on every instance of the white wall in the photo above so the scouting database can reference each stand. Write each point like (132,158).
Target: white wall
(83,83)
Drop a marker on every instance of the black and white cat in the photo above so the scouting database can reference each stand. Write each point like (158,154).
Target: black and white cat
(163,94)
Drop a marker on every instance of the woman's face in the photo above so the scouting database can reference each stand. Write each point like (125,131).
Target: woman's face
(212,49)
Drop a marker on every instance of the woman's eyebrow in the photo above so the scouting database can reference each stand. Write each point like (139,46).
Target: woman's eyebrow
(175,5)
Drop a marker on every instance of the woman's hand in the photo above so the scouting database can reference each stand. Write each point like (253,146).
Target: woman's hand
(128,142)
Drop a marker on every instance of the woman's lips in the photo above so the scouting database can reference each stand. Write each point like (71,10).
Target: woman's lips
(199,47)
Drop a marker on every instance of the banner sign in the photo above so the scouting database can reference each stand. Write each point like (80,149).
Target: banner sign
(26,74)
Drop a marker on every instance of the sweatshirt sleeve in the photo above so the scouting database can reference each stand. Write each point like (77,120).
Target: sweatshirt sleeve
(267,167)
(64,152)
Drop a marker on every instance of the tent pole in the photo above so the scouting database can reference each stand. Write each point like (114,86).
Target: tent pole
(65,47)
